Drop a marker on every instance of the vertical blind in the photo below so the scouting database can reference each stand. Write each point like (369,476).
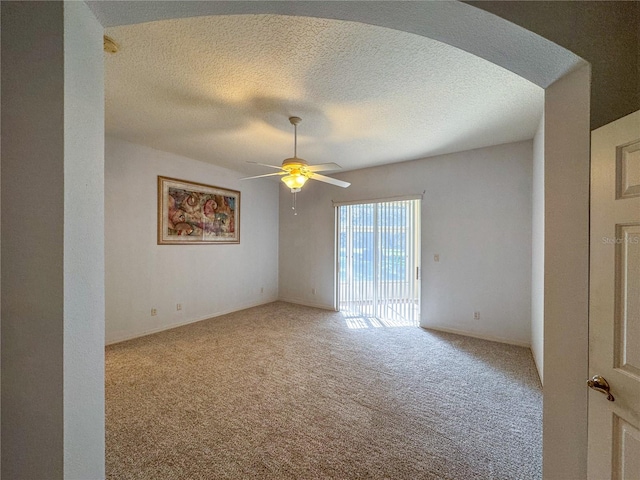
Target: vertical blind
(378,261)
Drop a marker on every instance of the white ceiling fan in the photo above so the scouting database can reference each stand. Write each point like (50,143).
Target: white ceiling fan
(296,171)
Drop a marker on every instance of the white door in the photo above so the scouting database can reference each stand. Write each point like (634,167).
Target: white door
(614,304)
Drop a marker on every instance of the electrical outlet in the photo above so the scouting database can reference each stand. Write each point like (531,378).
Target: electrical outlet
(436,257)
(261,289)
(178,306)
(154,312)
(476,315)
(313,291)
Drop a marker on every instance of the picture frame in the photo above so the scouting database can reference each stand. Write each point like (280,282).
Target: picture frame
(191,213)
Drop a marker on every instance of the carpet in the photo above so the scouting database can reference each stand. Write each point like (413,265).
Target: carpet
(283,391)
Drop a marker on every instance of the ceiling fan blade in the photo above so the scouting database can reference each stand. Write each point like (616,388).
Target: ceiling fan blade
(332,181)
(265,175)
(323,167)
(266,165)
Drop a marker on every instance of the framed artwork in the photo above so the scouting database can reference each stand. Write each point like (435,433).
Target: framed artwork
(194,213)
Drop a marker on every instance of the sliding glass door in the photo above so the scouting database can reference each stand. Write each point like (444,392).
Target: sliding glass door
(378,262)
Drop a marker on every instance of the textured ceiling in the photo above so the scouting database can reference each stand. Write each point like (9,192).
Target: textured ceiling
(220,89)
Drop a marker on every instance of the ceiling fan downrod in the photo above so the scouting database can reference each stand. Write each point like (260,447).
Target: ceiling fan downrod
(295,121)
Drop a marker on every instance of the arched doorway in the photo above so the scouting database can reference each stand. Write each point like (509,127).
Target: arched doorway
(562,291)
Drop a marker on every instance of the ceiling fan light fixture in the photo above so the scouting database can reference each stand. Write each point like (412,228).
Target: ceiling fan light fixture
(294,181)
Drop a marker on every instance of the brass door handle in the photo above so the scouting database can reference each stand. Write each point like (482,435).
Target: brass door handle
(600,384)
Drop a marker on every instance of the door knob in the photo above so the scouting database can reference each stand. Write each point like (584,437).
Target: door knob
(600,384)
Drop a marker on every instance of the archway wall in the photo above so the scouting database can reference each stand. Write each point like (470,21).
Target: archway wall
(458,24)
(605,34)
(566,275)
(566,78)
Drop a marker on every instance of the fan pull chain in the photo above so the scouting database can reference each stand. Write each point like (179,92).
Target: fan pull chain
(293,206)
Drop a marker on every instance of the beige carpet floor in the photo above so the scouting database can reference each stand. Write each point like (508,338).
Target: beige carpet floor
(289,392)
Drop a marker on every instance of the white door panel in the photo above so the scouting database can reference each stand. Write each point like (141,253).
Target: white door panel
(614,303)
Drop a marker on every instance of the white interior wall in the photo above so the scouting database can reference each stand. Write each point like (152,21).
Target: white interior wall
(84,267)
(208,280)
(476,214)
(52,241)
(537,252)
(566,275)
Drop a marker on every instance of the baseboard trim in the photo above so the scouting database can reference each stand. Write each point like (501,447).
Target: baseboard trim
(124,338)
(476,335)
(304,303)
